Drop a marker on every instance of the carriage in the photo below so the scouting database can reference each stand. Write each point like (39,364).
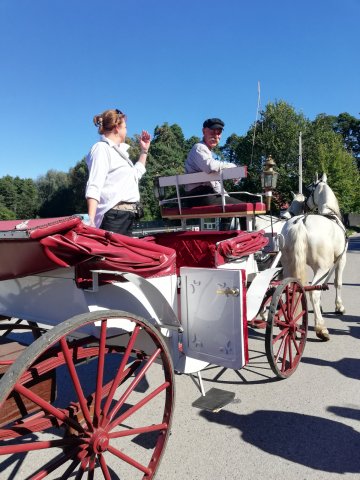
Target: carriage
(95,326)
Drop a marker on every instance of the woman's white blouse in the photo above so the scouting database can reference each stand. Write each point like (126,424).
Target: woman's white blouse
(113,178)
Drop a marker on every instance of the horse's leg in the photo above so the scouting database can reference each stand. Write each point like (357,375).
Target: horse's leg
(339,307)
(315,295)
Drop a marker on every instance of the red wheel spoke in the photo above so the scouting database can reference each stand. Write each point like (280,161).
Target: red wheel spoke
(104,467)
(100,372)
(285,351)
(47,407)
(297,299)
(92,463)
(76,382)
(133,384)
(301,330)
(36,423)
(119,374)
(80,473)
(82,468)
(299,316)
(138,405)
(129,460)
(139,430)
(281,324)
(56,463)
(95,374)
(282,336)
(68,472)
(290,352)
(296,344)
(288,319)
(284,310)
(293,298)
(38,445)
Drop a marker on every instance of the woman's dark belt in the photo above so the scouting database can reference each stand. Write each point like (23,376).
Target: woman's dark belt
(126,206)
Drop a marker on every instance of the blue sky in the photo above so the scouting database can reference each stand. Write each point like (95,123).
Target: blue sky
(175,61)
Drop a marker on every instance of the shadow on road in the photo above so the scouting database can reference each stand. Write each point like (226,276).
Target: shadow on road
(349,367)
(317,443)
(346,412)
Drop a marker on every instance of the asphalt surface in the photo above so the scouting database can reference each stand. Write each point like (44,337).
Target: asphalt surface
(305,427)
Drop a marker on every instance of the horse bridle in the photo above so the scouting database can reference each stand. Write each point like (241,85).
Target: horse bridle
(310,197)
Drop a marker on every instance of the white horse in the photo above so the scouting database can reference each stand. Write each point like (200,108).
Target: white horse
(320,242)
(272,224)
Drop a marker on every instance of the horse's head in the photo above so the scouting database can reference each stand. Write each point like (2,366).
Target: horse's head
(321,197)
(296,207)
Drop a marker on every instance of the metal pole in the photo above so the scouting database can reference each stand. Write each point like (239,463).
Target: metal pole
(300,163)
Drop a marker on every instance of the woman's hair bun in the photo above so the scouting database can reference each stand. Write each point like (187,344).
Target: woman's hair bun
(98,120)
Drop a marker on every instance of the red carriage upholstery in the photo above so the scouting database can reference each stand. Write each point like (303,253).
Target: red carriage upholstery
(210,249)
(213,211)
(35,246)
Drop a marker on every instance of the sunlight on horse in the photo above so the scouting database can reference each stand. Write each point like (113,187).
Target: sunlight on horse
(320,242)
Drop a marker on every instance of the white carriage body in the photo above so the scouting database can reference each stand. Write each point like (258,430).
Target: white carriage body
(205,310)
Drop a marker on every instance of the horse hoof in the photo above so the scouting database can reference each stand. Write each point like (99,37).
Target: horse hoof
(340,312)
(323,335)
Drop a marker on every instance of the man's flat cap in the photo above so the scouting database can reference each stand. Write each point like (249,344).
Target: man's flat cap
(213,123)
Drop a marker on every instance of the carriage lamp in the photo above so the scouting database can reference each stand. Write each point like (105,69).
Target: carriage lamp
(268,180)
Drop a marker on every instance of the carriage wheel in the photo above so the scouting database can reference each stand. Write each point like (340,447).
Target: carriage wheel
(115,394)
(260,321)
(286,330)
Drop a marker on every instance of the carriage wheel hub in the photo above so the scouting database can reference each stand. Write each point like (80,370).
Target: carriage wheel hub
(100,442)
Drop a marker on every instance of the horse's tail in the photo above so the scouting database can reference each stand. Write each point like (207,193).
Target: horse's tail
(296,246)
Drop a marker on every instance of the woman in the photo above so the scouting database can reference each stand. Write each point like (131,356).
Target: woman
(112,190)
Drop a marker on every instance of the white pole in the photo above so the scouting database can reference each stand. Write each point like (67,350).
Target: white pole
(256,119)
(300,163)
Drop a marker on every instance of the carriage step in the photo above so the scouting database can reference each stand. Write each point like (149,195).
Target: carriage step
(214,400)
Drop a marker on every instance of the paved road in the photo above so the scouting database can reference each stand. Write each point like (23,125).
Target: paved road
(306,427)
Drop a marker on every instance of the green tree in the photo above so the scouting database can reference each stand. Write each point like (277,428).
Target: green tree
(19,197)
(54,194)
(8,193)
(348,129)
(324,151)
(167,156)
(229,149)
(77,177)
(27,198)
(277,134)
(6,214)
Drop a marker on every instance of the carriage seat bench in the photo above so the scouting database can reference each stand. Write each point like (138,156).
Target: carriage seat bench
(210,249)
(175,208)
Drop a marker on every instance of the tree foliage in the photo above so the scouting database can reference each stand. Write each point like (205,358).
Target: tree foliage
(19,198)
(167,156)
(331,144)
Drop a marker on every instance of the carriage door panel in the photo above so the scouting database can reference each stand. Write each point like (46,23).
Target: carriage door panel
(211,306)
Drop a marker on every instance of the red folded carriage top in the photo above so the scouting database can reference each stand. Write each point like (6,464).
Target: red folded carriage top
(34,246)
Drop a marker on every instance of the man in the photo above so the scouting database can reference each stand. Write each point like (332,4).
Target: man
(200,159)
